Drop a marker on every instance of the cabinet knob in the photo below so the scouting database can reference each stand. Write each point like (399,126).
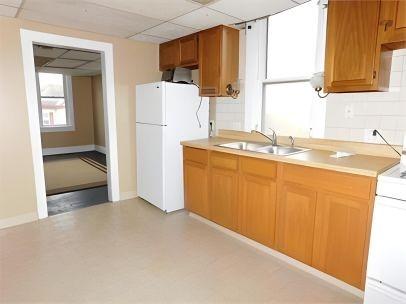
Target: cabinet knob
(386,23)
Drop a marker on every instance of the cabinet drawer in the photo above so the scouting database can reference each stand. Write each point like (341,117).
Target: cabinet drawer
(319,179)
(224,161)
(195,155)
(258,167)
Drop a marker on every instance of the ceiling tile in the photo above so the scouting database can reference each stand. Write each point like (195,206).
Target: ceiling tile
(65,63)
(8,11)
(80,55)
(169,30)
(148,38)
(248,10)
(40,61)
(13,3)
(86,16)
(93,66)
(45,51)
(204,18)
(159,9)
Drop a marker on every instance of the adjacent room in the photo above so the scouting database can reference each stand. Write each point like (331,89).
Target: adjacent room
(70,99)
(203,151)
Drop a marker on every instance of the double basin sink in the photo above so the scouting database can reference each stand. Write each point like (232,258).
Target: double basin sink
(263,148)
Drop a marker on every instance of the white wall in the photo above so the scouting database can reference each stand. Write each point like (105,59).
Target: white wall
(354,116)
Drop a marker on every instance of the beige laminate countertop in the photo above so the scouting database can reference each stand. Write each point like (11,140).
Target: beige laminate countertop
(356,164)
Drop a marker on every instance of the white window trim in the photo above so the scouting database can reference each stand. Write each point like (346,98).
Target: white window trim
(319,59)
(70,114)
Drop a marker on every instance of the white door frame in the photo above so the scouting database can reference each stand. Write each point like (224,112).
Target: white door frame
(106,49)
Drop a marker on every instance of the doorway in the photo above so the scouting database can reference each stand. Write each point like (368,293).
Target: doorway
(71,117)
(28,40)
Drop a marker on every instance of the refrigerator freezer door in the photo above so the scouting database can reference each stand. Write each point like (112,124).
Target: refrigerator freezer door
(377,293)
(387,252)
(150,103)
(150,169)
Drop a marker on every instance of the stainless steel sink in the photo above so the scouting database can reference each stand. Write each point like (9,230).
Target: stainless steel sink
(281,150)
(243,145)
(263,148)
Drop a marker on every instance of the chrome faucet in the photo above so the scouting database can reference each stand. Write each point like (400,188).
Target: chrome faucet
(274,138)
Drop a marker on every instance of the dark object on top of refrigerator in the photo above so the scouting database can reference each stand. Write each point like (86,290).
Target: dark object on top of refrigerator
(180,75)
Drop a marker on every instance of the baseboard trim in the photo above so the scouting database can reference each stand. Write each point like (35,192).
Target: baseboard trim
(18,220)
(66,150)
(100,149)
(128,195)
(306,268)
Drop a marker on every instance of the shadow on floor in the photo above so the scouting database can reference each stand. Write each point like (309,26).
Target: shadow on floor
(65,202)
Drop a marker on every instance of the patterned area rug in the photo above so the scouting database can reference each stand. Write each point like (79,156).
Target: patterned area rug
(65,175)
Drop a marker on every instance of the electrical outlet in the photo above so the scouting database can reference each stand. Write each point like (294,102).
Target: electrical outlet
(212,127)
(349,111)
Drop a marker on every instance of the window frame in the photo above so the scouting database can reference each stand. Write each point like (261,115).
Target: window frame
(69,108)
(319,60)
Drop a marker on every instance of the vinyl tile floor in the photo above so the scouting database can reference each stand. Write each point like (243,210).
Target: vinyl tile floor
(131,252)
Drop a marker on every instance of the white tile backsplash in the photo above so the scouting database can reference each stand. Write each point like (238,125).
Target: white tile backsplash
(385,111)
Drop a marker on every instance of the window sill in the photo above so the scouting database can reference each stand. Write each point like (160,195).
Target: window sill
(57,129)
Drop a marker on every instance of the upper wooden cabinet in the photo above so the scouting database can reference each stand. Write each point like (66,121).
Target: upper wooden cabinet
(188,47)
(392,23)
(214,51)
(218,60)
(351,61)
(169,55)
(361,35)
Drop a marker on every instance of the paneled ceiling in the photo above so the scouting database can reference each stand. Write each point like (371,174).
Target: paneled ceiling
(145,20)
(68,61)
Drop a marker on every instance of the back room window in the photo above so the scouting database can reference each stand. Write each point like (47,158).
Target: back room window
(55,102)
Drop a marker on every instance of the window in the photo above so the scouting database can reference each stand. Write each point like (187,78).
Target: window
(291,106)
(55,102)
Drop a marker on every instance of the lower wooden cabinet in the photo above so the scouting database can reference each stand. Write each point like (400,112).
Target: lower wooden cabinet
(319,217)
(296,211)
(340,237)
(257,200)
(224,190)
(195,178)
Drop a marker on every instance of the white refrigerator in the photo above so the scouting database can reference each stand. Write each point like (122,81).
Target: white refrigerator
(166,114)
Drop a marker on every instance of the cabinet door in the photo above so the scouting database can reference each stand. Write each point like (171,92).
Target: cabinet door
(209,61)
(340,237)
(393,23)
(258,200)
(188,51)
(295,214)
(196,188)
(351,47)
(169,55)
(224,189)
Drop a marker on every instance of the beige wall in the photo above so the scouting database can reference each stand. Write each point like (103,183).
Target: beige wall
(98,115)
(83,114)
(134,63)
